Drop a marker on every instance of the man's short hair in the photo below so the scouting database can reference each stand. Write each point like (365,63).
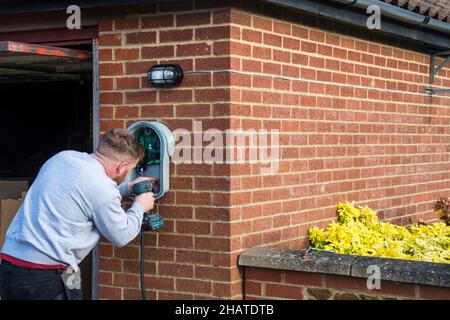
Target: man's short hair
(119,143)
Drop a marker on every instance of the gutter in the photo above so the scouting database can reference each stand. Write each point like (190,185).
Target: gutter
(402,23)
(400,14)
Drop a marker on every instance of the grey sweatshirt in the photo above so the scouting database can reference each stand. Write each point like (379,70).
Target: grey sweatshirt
(70,204)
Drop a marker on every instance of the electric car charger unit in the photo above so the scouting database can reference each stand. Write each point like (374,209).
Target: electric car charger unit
(158,143)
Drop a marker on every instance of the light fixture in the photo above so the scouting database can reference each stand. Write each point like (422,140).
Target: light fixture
(165,75)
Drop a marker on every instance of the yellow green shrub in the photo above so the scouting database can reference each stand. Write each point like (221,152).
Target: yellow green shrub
(359,232)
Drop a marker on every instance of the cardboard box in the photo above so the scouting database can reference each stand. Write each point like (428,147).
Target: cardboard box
(8,209)
(12,189)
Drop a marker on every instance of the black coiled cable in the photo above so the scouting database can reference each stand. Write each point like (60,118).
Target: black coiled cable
(142,266)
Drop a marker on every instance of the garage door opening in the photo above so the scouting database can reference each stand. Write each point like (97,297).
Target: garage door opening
(46,106)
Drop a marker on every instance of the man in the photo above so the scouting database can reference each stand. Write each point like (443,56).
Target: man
(75,199)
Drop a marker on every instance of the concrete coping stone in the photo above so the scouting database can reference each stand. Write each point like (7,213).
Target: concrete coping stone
(318,261)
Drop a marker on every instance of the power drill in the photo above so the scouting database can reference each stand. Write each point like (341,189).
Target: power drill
(152,220)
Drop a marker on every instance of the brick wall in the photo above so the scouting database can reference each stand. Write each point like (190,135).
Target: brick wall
(354,126)
(190,257)
(263,283)
(357,126)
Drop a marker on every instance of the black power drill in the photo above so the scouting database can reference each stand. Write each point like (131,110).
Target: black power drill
(152,220)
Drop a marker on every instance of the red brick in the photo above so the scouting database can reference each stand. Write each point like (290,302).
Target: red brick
(106,83)
(262,23)
(106,112)
(212,95)
(197,49)
(126,280)
(110,293)
(228,15)
(303,278)
(299,32)
(140,97)
(105,54)
(135,294)
(159,283)
(175,35)
(193,19)
(207,213)
(261,224)
(174,296)
(434,293)
(317,36)
(213,63)
(111,98)
(176,241)
(240,18)
(106,69)
(157,111)
(212,33)
(110,264)
(141,37)
(127,112)
(158,21)
(114,39)
(137,67)
(105,278)
(212,273)
(196,257)
(251,35)
(282,28)
(197,286)
(134,266)
(262,53)
(127,252)
(272,39)
(158,52)
(175,270)
(160,254)
(253,288)
(271,275)
(127,83)
(175,96)
(225,290)
(396,289)
(126,24)
(193,227)
(308,47)
(105,125)
(344,282)
(284,291)
(212,243)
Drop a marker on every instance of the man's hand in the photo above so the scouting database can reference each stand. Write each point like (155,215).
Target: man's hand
(146,200)
(137,180)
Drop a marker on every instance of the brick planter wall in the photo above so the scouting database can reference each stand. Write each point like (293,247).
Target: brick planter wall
(295,274)
(263,283)
(354,126)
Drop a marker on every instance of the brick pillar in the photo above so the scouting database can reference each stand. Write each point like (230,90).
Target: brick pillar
(191,257)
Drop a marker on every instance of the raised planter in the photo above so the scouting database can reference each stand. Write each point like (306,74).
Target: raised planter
(271,273)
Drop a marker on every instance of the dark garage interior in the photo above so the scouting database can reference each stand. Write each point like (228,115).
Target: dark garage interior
(46,106)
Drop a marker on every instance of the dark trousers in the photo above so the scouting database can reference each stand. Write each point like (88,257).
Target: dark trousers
(19,283)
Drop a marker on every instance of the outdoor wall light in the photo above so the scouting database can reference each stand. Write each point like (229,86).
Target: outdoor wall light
(165,75)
